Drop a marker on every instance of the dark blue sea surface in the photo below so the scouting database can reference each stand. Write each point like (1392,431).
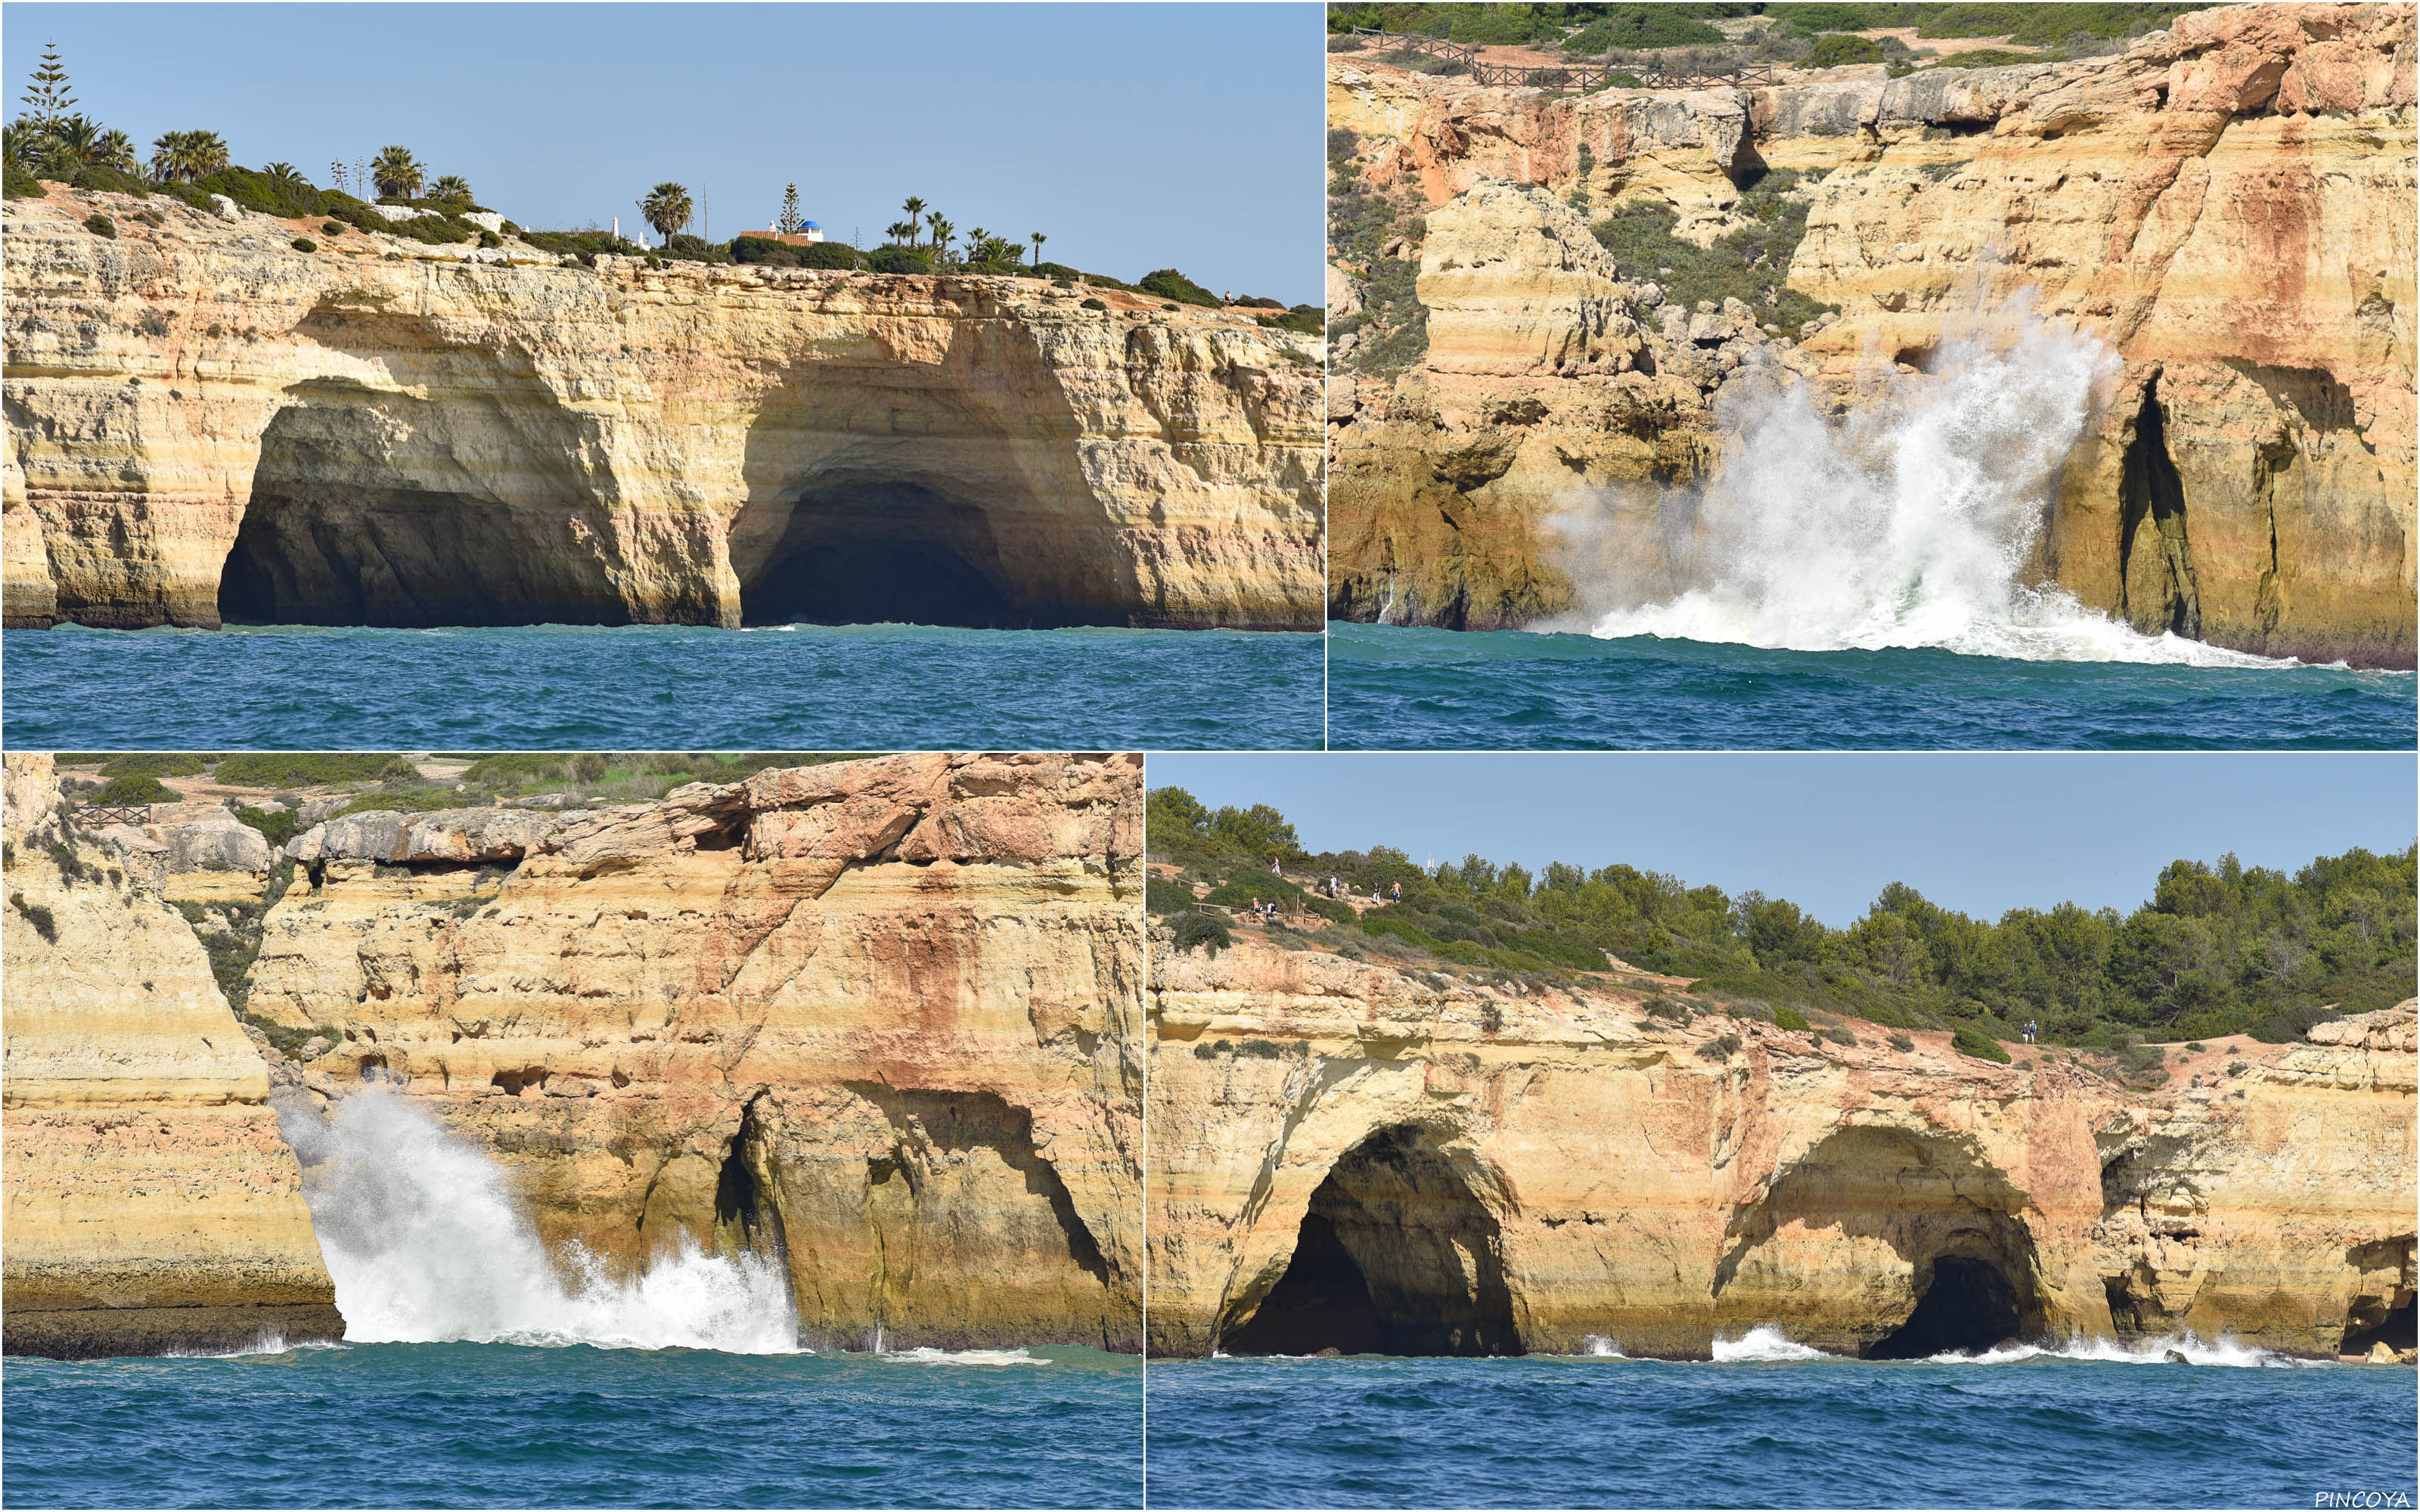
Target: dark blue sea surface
(495,1425)
(1400,688)
(1564,1433)
(658,688)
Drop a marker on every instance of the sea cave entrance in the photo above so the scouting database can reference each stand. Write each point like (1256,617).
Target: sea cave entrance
(1967,1305)
(874,552)
(2155,570)
(1396,1254)
(360,515)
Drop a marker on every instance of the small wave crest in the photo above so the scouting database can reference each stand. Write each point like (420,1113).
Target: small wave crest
(427,1244)
(269,1341)
(1762,1343)
(1597,1347)
(2174,1350)
(924,1355)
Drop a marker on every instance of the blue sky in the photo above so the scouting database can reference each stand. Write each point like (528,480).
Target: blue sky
(1133,136)
(1982,833)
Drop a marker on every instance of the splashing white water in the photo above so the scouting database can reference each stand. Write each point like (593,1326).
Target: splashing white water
(1910,523)
(922,1356)
(1762,1343)
(426,1244)
(2221,1352)
(1599,1347)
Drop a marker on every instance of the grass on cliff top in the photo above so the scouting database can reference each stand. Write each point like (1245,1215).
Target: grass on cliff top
(1390,332)
(2220,948)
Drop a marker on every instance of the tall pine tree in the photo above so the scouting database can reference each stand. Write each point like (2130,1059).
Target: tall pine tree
(47,100)
(793,219)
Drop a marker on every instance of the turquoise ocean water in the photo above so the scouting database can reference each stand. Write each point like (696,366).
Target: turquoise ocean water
(499,1425)
(662,687)
(1573,1432)
(1399,689)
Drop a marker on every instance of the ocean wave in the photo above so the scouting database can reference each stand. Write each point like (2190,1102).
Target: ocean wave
(1763,1343)
(1597,1347)
(923,1355)
(267,1341)
(2186,1348)
(1914,521)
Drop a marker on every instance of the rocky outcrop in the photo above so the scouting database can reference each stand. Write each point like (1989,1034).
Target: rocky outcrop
(150,1204)
(1347,1155)
(875,1019)
(1547,374)
(204,421)
(2229,204)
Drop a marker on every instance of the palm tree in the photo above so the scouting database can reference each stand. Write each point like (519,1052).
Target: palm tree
(942,231)
(667,209)
(183,157)
(1037,239)
(914,208)
(453,188)
(396,173)
(75,142)
(898,231)
(118,151)
(283,174)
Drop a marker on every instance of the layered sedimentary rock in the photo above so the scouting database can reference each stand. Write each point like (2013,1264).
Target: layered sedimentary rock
(206,423)
(2229,206)
(150,1203)
(876,1020)
(1348,1156)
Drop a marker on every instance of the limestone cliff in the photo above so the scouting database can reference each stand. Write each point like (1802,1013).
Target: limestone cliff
(204,421)
(2229,205)
(1352,1156)
(149,1203)
(877,1019)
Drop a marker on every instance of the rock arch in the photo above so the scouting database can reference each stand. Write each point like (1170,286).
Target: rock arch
(866,549)
(1887,1244)
(367,509)
(1399,1253)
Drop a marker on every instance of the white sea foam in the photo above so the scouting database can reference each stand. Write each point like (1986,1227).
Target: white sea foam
(267,1341)
(1911,522)
(2221,1352)
(1599,1347)
(930,1356)
(1762,1344)
(427,1243)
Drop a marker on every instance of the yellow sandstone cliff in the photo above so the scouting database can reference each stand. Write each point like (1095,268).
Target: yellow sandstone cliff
(2229,206)
(875,1023)
(149,1203)
(1501,1170)
(205,420)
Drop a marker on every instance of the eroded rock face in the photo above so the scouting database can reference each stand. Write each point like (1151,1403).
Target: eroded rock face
(204,422)
(2229,206)
(150,1204)
(878,1018)
(1344,1151)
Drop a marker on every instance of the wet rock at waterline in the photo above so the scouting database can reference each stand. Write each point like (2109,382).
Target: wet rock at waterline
(1347,1156)
(207,424)
(836,1053)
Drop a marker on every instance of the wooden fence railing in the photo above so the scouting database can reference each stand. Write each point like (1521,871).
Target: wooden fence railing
(1576,76)
(137,814)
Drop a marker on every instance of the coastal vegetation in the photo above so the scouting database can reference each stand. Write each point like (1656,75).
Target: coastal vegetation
(1719,36)
(2218,948)
(49,140)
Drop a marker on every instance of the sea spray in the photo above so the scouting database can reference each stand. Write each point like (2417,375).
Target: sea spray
(1761,1344)
(1911,521)
(428,1243)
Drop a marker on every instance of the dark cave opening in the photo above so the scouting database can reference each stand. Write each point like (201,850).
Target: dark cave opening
(747,1218)
(1396,1255)
(1321,1303)
(884,552)
(2160,592)
(2395,1328)
(1969,1306)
